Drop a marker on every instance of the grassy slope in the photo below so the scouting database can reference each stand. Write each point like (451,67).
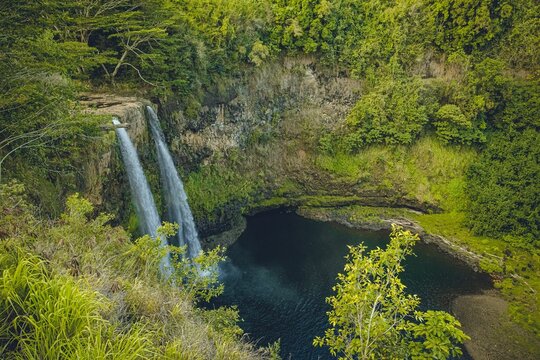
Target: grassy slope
(428,170)
(79,288)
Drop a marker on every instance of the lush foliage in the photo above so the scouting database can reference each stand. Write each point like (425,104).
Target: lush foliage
(372,317)
(391,114)
(503,187)
(444,85)
(214,187)
(442,67)
(428,171)
(78,288)
(58,317)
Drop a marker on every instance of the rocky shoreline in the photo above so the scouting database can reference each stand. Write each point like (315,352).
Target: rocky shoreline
(449,247)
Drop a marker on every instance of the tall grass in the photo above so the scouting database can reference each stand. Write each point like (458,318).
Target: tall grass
(57,317)
(77,288)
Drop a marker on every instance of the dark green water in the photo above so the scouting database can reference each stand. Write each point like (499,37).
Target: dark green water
(283,266)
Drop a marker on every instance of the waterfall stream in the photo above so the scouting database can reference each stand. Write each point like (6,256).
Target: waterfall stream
(140,191)
(175,197)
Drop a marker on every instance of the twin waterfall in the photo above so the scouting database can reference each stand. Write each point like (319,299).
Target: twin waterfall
(176,201)
(178,210)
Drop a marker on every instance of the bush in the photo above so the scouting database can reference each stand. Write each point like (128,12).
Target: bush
(469,25)
(393,113)
(452,126)
(503,187)
(520,106)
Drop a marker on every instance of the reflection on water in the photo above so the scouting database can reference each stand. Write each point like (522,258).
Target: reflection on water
(284,266)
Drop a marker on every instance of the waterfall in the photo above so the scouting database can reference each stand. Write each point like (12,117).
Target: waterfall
(176,201)
(142,196)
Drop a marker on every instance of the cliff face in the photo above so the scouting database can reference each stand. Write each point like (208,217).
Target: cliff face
(267,101)
(105,182)
(259,125)
(263,128)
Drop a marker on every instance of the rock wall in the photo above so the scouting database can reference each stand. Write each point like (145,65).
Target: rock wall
(292,101)
(264,100)
(105,182)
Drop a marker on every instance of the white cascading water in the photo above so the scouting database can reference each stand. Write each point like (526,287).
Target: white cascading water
(142,196)
(176,201)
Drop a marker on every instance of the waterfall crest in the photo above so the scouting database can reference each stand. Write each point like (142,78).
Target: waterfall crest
(175,197)
(142,196)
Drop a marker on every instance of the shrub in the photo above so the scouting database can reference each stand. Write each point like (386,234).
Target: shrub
(392,113)
(452,126)
(503,187)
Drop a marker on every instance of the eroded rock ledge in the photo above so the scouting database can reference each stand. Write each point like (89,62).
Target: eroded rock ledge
(105,182)
(385,223)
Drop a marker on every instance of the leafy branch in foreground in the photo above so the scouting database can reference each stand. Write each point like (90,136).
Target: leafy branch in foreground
(373,318)
(197,277)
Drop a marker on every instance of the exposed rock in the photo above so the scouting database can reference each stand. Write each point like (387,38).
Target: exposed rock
(493,336)
(227,237)
(385,223)
(104,179)
(257,104)
(128,109)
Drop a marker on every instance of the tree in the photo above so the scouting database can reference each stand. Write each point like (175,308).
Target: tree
(453,126)
(392,113)
(144,26)
(504,196)
(372,317)
(467,25)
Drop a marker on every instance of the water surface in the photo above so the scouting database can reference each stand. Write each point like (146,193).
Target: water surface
(283,267)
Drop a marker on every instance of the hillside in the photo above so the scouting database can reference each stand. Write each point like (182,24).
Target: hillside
(366,112)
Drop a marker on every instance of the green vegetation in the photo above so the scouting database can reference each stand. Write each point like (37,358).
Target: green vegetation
(513,262)
(214,187)
(446,119)
(503,188)
(392,114)
(428,170)
(372,317)
(79,288)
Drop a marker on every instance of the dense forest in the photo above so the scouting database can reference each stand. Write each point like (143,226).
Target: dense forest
(447,113)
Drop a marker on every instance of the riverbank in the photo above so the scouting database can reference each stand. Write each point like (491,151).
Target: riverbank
(486,317)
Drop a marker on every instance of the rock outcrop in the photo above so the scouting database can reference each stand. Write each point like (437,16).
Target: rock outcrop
(258,104)
(105,182)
